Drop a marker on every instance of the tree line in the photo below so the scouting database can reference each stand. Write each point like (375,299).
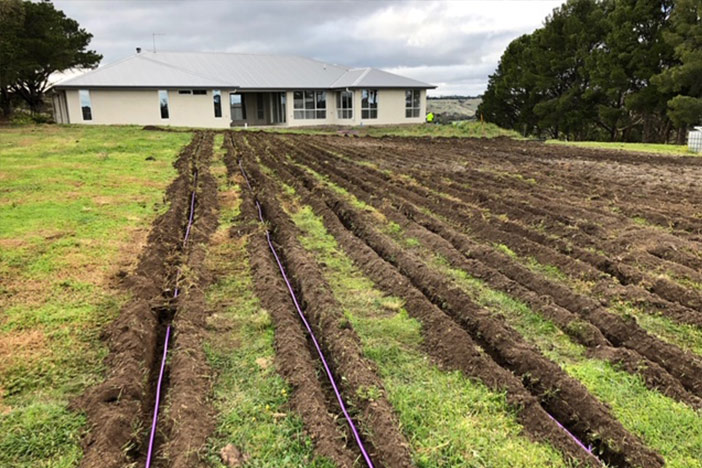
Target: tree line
(36,40)
(613,70)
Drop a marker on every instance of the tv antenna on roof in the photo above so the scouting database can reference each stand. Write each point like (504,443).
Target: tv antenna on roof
(153,38)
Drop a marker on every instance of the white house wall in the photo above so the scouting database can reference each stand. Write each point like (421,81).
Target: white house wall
(141,107)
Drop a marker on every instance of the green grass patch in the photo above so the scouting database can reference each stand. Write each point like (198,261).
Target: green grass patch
(463,129)
(74,199)
(677,150)
(251,398)
(687,337)
(449,420)
(669,427)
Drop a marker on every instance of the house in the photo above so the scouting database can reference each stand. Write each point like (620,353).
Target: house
(221,90)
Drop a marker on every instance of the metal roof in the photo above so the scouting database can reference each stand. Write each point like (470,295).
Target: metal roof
(227,70)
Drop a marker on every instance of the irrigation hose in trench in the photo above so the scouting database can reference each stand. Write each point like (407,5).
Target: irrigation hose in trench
(330,377)
(154,421)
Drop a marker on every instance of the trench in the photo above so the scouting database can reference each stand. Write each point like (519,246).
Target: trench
(125,411)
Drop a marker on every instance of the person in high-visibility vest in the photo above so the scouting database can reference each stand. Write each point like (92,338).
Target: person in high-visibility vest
(430,117)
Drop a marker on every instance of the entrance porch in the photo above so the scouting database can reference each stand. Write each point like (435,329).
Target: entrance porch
(257,108)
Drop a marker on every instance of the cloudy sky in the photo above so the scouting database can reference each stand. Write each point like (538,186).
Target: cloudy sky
(453,44)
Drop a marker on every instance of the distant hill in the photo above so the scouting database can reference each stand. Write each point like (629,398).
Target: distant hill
(452,108)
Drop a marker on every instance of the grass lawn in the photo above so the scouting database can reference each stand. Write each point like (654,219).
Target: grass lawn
(677,150)
(76,203)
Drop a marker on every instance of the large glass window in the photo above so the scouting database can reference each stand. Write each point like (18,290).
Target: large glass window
(310,104)
(238,107)
(85,105)
(369,104)
(344,104)
(163,103)
(412,103)
(217,99)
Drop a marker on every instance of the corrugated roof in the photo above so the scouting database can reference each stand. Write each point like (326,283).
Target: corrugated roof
(246,71)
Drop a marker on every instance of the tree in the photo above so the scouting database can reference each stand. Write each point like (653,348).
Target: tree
(541,85)
(632,50)
(684,78)
(11,21)
(43,41)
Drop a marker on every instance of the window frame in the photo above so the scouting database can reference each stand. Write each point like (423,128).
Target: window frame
(161,94)
(217,103)
(307,104)
(413,103)
(369,109)
(84,94)
(344,112)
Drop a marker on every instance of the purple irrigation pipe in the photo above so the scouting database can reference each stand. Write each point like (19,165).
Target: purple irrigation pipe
(154,421)
(158,399)
(356,435)
(577,441)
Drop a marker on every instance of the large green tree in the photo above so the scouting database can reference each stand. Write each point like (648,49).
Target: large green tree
(684,79)
(631,52)
(41,41)
(541,84)
(603,69)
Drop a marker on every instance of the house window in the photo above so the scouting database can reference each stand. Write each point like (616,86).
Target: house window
(217,99)
(163,103)
(238,107)
(259,106)
(369,104)
(344,104)
(85,105)
(310,104)
(200,92)
(184,91)
(412,106)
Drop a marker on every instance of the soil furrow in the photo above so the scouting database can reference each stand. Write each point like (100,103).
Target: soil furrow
(680,304)
(294,360)
(388,446)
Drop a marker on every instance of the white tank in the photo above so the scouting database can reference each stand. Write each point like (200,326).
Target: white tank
(694,140)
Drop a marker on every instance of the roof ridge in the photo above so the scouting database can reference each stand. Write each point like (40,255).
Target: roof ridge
(361,76)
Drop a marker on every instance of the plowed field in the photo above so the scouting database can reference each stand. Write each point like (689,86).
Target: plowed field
(400,302)
(568,279)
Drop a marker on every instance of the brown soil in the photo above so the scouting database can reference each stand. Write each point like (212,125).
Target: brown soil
(451,346)
(571,323)
(684,366)
(574,407)
(476,214)
(119,409)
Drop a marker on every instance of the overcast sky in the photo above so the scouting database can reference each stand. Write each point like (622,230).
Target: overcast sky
(452,44)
